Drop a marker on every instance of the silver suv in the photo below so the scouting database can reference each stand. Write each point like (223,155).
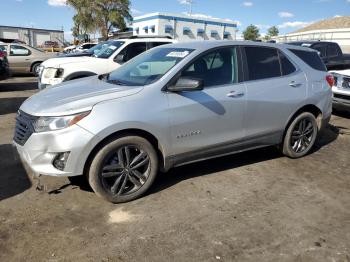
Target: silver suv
(173,105)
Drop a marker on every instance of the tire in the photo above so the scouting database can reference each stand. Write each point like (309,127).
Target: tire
(118,178)
(300,136)
(34,68)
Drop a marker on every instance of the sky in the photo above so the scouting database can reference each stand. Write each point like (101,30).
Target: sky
(287,15)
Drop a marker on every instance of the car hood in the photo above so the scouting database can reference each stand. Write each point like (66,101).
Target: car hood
(75,96)
(76,54)
(59,61)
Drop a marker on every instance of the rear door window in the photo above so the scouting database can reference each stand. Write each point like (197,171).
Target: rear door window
(320,48)
(287,67)
(262,62)
(310,58)
(332,50)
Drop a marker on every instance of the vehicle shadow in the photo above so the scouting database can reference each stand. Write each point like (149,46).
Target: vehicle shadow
(13,176)
(10,105)
(209,167)
(342,113)
(17,86)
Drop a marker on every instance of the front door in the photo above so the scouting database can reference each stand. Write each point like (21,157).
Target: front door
(213,116)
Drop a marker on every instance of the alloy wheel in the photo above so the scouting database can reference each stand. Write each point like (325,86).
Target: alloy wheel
(302,135)
(125,171)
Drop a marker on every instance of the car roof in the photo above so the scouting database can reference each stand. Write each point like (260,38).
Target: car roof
(209,44)
(155,39)
(308,42)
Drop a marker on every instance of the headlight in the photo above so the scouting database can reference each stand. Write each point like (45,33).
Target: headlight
(53,72)
(44,124)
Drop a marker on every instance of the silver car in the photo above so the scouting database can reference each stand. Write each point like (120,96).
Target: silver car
(173,105)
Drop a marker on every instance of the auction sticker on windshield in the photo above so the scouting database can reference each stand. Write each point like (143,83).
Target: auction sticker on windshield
(178,54)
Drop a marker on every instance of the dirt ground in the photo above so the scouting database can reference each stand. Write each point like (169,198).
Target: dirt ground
(254,206)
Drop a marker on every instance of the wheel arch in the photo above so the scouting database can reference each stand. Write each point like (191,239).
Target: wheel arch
(34,63)
(128,132)
(79,74)
(313,109)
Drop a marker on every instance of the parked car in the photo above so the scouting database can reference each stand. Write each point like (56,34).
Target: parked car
(109,58)
(84,47)
(330,53)
(93,50)
(69,49)
(341,89)
(24,58)
(4,66)
(173,105)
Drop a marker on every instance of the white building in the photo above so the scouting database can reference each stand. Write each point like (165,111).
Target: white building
(184,27)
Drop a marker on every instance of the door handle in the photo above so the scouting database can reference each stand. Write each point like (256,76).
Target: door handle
(235,94)
(294,84)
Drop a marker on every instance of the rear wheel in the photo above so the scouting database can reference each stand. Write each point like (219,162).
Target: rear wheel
(300,136)
(123,169)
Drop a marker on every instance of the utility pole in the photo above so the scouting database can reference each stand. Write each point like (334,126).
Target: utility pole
(190,3)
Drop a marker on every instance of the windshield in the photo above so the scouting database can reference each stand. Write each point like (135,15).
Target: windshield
(98,47)
(107,50)
(148,67)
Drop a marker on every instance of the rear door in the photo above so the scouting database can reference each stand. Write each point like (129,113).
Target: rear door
(275,88)
(19,59)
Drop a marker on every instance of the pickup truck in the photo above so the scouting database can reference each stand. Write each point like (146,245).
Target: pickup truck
(330,53)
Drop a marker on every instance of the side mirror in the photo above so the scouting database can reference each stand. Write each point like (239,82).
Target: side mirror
(186,84)
(119,59)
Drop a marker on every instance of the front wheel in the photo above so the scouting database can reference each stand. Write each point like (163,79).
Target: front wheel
(300,136)
(124,169)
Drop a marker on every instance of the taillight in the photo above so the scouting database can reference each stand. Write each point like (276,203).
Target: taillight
(330,80)
(2,54)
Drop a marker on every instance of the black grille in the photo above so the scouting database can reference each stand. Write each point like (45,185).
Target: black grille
(345,97)
(24,127)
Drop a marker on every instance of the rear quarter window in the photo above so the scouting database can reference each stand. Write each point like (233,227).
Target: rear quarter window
(310,58)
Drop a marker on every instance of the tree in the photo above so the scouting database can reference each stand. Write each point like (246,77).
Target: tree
(103,15)
(83,19)
(251,33)
(111,14)
(273,31)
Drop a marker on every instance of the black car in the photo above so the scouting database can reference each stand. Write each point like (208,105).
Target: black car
(4,65)
(330,53)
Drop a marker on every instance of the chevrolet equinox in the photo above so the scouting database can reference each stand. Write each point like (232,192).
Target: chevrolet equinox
(173,105)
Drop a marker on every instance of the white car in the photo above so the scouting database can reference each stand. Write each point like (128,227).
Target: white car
(109,58)
(341,89)
(69,49)
(84,47)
